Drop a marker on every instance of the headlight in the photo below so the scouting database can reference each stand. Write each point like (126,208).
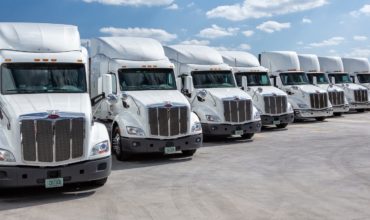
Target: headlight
(302,105)
(101,148)
(6,156)
(257,116)
(135,131)
(197,126)
(213,118)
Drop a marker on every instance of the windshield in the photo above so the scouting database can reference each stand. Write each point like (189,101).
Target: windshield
(146,79)
(21,78)
(213,79)
(294,78)
(253,78)
(363,78)
(320,78)
(341,78)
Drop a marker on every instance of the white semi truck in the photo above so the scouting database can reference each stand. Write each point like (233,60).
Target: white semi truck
(356,95)
(359,70)
(147,112)
(47,133)
(310,64)
(210,87)
(308,101)
(253,78)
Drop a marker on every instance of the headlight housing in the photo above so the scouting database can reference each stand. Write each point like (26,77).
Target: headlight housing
(213,118)
(197,127)
(6,156)
(302,105)
(100,148)
(290,107)
(135,131)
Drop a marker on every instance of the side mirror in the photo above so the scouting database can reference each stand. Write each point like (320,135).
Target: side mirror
(332,80)
(314,80)
(124,97)
(188,87)
(112,99)
(201,95)
(244,82)
(107,86)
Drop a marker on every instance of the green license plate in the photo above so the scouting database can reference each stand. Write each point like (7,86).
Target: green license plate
(276,122)
(169,150)
(54,183)
(239,132)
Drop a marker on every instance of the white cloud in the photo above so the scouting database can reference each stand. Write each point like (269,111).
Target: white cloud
(245,47)
(248,33)
(359,52)
(132,2)
(195,42)
(272,26)
(173,7)
(306,21)
(191,4)
(222,48)
(217,32)
(158,34)
(359,38)
(300,42)
(262,8)
(329,42)
(365,10)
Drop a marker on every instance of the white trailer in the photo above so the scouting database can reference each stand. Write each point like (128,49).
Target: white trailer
(308,101)
(356,95)
(47,133)
(359,70)
(210,87)
(310,64)
(251,77)
(147,112)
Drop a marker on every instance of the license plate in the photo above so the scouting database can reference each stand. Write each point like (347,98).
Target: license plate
(276,122)
(239,132)
(169,150)
(54,183)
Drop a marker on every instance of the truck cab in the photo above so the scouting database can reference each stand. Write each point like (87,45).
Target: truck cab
(308,101)
(310,64)
(357,95)
(271,102)
(144,108)
(359,70)
(47,133)
(210,87)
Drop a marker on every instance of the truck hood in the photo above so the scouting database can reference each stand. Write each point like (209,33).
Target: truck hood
(223,93)
(330,89)
(351,86)
(268,90)
(34,103)
(147,98)
(307,88)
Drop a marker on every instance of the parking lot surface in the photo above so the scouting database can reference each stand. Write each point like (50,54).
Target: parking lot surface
(312,170)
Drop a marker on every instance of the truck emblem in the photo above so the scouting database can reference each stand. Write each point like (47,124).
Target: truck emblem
(168,104)
(274,94)
(236,98)
(317,91)
(53,114)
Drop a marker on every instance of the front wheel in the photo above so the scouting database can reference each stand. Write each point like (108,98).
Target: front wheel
(282,125)
(117,146)
(320,119)
(337,114)
(247,136)
(189,153)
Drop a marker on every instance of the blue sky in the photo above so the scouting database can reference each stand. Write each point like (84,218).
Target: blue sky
(323,27)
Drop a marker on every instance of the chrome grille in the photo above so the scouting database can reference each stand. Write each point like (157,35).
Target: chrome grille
(238,110)
(170,121)
(361,96)
(275,104)
(319,100)
(52,140)
(336,98)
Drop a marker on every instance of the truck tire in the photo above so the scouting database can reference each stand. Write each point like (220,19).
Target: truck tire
(117,146)
(247,135)
(282,125)
(320,119)
(360,110)
(189,153)
(100,182)
(337,114)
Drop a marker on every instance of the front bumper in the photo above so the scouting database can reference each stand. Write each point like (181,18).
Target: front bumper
(312,113)
(23,176)
(228,129)
(142,145)
(340,109)
(354,105)
(278,119)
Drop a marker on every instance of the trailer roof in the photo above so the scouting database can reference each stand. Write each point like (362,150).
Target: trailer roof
(39,37)
(128,48)
(194,54)
(279,61)
(331,64)
(239,59)
(356,65)
(309,62)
